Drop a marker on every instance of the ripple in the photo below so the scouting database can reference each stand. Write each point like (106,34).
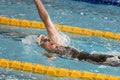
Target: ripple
(102,66)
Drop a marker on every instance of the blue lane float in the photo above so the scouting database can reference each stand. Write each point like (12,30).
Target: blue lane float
(107,2)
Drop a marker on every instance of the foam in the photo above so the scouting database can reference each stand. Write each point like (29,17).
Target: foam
(61,38)
(108,53)
(30,39)
(113,61)
(102,66)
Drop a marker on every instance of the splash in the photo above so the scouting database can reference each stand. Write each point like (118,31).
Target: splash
(115,53)
(61,39)
(30,39)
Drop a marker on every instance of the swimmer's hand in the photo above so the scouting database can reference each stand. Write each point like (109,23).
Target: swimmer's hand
(49,56)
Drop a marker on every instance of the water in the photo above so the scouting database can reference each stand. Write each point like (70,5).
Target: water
(105,2)
(66,12)
(74,13)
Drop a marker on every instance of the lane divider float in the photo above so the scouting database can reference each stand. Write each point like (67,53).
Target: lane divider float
(52,71)
(70,29)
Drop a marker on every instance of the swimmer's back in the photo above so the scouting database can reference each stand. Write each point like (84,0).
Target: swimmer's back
(72,53)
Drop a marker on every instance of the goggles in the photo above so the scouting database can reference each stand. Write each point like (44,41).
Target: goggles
(40,42)
(46,39)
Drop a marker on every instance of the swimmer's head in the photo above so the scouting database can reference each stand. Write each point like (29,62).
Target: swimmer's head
(46,43)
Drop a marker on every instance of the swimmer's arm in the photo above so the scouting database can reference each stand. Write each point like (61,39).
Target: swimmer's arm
(49,56)
(45,18)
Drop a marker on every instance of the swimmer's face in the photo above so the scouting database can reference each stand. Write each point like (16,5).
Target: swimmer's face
(46,43)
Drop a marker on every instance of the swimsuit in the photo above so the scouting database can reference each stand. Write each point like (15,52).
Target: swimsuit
(71,53)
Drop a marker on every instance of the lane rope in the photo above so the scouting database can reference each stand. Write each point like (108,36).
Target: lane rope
(52,71)
(64,28)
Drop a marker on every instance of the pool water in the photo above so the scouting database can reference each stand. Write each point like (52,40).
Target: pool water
(66,12)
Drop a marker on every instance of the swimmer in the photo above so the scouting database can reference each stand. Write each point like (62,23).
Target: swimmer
(56,43)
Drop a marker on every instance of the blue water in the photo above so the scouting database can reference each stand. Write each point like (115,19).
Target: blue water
(66,12)
(105,2)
